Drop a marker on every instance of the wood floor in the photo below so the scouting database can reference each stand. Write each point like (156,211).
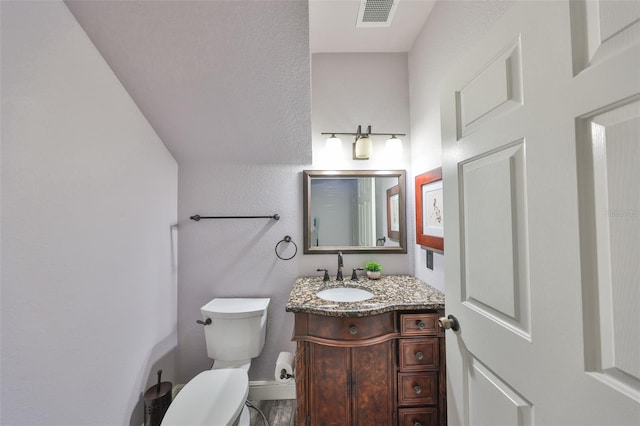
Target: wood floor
(279,412)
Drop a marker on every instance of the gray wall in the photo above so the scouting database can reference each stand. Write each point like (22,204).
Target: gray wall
(351,89)
(89,197)
(236,258)
(451,30)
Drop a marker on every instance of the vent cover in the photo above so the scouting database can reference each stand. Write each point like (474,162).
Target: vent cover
(376,13)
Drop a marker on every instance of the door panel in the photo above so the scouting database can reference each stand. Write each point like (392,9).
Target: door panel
(495,262)
(609,154)
(542,277)
(602,28)
(496,89)
(492,402)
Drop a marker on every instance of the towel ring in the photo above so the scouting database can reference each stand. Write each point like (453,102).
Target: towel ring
(287,239)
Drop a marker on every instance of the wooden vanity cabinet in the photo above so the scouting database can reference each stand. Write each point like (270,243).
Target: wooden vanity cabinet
(350,386)
(345,371)
(373,370)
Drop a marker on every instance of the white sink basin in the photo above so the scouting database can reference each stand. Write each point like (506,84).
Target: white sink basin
(344,294)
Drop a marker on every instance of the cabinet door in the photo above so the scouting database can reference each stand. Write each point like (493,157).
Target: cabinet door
(373,387)
(328,390)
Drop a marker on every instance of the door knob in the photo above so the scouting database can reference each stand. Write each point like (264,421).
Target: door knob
(449,322)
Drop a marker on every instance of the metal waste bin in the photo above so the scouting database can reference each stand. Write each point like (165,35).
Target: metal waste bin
(156,402)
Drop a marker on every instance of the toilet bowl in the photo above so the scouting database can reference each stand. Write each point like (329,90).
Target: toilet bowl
(235,333)
(213,397)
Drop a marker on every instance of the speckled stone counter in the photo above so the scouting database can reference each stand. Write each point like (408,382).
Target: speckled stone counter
(391,293)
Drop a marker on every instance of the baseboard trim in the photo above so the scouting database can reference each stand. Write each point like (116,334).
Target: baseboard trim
(263,390)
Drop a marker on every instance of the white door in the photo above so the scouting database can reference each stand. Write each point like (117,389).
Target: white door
(541,151)
(366,229)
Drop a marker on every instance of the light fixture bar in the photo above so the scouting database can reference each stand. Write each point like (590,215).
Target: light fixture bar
(362,144)
(356,134)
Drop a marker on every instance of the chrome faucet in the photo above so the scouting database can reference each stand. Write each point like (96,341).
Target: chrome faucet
(339,274)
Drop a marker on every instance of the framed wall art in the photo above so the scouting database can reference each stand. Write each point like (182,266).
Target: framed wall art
(429,210)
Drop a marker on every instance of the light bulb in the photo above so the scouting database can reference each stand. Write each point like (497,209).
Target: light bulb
(334,144)
(363,148)
(393,147)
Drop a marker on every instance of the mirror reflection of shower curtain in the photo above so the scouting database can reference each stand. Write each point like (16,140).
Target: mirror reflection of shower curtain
(366,217)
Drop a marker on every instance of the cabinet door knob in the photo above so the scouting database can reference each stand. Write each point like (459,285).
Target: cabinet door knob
(417,424)
(421,325)
(419,355)
(353,329)
(417,389)
(449,322)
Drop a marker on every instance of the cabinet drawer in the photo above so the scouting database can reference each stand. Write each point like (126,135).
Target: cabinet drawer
(423,416)
(417,388)
(419,354)
(419,324)
(342,328)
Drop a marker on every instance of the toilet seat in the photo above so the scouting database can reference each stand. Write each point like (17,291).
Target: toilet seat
(213,397)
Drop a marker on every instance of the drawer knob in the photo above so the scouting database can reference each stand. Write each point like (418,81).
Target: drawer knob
(420,356)
(421,325)
(353,329)
(417,389)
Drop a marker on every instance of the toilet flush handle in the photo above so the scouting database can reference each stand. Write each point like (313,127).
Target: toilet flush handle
(207,322)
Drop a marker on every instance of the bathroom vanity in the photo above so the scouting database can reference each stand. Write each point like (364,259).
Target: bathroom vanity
(379,361)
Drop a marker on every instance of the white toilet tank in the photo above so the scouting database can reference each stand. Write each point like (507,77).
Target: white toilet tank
(238,328)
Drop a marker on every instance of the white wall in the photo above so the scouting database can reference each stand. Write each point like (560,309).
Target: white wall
(89,195)
(451,30)
(351,89)
(236,258)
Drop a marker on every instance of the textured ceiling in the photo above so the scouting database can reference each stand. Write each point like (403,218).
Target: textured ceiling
(228,81)
(218,80)
(332,27)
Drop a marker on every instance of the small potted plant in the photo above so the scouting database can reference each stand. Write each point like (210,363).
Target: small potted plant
(373,270)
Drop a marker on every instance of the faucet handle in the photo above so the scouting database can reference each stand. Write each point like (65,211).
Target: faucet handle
(326,274)
(354,276)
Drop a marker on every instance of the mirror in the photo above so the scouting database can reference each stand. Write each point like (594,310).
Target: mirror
(354,211)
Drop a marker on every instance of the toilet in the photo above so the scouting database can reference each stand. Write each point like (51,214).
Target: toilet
(234,331)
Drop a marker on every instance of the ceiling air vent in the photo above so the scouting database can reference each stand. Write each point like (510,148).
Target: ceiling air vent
(376,13)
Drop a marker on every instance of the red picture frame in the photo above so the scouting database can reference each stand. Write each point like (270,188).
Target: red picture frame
(424,234)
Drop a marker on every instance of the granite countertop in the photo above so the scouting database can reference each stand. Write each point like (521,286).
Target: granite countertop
(391,293)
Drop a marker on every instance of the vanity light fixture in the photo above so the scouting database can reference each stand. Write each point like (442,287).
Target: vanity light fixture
(363,146)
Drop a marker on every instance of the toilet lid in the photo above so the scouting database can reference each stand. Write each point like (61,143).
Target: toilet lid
(213,397)
(235,308)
